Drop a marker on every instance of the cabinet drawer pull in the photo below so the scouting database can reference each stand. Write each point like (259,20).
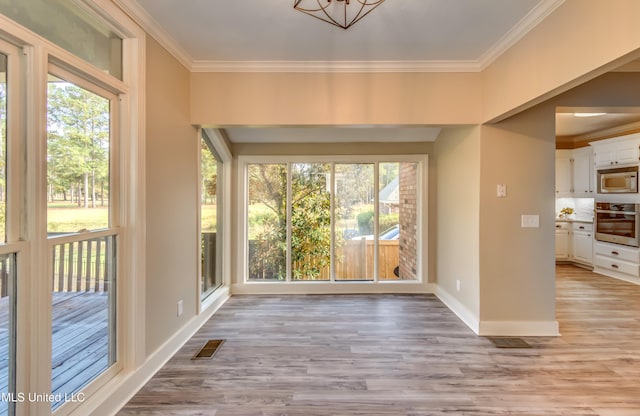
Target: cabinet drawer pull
(615,253)
(558,226)
(588,235)
(581,227)
(615,266)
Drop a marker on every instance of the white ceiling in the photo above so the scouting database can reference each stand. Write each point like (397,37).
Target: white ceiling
(410,35)
(417,34)
(569,125)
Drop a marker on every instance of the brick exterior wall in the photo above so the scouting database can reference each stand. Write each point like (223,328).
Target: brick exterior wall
(408,187)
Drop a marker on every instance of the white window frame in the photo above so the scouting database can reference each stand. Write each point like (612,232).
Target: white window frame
(114,229)
(14,207)
(34,294)
(245,286)
(214,300)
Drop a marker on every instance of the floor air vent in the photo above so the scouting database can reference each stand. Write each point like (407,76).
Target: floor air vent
(509,342)
(208,350)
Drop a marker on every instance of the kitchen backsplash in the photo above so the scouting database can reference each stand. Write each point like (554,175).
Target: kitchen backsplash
(583,207)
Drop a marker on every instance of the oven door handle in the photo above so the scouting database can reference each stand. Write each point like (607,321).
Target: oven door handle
(616,212)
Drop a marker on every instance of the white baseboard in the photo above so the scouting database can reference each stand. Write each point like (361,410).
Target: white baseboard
(118,391)
(519,328)
(616,275)
(497,328)
(451,302)
(331,288)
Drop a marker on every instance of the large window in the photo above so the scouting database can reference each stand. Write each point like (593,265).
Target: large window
(310,221)
(210,217)
(333,221)
(355,221)
(80,233)
(72,28)
(69,135)
(267,221)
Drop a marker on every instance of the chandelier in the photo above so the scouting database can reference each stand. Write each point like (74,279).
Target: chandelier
(341,13)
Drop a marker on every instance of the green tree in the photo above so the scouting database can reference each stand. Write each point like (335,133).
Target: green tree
(209,172)
(267,186)
(310,219)
(78,142)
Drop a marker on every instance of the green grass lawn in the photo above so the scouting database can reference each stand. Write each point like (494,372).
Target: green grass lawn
(67,217)
(208,218)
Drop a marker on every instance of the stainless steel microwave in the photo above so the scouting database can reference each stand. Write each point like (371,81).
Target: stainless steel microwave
(618,180)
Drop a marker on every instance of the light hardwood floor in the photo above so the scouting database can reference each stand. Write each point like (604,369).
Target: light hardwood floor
(405,355)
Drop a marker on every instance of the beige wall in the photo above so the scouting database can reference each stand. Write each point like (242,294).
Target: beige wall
(507,273)
(171,153)
(517,265)
(576,43)
(457,162)
(335,98)
(517,279)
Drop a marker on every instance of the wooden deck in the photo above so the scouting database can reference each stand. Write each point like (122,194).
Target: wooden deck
(80,339)
(396,355)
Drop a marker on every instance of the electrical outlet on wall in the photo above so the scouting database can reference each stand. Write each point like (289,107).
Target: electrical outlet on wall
(458,285)
(180,307)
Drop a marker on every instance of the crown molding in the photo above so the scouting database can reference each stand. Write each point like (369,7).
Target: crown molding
(519,31)
(335,66)
(155,30)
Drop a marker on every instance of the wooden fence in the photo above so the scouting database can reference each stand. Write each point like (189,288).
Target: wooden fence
(354,261)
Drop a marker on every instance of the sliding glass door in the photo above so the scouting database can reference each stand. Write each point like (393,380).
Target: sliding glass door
(332,221)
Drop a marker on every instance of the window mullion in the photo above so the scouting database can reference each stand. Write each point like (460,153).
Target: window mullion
(376,220)
(332,192)
(288,221)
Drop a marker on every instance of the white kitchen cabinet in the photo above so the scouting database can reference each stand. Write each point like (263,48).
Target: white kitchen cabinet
(582,243)
(563,242)
(574,173)
(564,172)
(623,150)
(574,242)
(582,172)
(616,260)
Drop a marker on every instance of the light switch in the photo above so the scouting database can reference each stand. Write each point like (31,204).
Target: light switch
(501,190)
(530,221)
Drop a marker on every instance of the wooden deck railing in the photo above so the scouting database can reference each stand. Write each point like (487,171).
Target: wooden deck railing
(4,276)
(78,266)
(83,266)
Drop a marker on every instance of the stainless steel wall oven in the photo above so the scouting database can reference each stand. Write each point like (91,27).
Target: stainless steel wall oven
(618,223)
